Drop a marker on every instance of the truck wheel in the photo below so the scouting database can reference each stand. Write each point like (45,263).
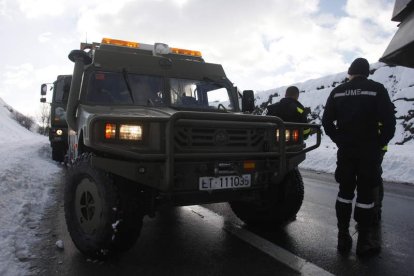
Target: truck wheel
(58,153)
(279,205)
(102,218)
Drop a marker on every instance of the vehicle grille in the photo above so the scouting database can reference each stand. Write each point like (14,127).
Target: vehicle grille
(216,139)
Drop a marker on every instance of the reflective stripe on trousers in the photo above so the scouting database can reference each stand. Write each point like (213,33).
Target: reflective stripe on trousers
(364,206)
(344,200)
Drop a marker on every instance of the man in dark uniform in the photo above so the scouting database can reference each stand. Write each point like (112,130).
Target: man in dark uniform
(289,109)
(350,119)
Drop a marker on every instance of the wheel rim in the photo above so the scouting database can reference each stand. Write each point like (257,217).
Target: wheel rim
(88,206)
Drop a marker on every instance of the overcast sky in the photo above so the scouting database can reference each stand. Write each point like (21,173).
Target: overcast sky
(261,44)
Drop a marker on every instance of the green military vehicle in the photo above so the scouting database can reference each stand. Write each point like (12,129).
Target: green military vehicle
(153,126)
(58,131)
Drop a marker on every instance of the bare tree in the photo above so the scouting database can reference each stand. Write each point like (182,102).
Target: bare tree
(44,118)
(23,120)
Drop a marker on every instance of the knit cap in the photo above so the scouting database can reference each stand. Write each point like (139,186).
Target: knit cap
(359,66)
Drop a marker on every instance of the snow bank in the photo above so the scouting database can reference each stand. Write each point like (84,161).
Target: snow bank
(27,175)
(10,130)
(398,164)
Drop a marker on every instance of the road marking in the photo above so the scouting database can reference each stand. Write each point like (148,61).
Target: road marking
(294,262)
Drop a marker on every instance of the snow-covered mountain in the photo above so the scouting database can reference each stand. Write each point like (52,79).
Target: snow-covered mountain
(398,80)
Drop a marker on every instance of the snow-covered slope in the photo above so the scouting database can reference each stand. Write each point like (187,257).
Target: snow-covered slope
(399,161)
(10,130)
(26,177)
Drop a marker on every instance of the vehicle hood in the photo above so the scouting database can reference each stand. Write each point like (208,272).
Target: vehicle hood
(129,111)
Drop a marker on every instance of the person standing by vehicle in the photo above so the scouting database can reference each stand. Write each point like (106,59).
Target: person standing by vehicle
(379,194)
(350,119)
(289,109)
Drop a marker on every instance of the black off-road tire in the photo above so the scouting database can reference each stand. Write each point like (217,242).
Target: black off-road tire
(103,217)
(278,205)
(58,152)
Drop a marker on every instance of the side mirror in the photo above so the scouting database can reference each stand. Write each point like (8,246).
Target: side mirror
(42,100)
(248,101)
(43,89)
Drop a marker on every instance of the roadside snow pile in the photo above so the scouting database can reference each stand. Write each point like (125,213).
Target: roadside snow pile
(10,130)
(398,163)
(26,178)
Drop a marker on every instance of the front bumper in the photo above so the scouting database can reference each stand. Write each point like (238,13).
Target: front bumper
(177,170)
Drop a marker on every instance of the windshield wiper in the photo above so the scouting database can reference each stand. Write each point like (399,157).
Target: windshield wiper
(125,75)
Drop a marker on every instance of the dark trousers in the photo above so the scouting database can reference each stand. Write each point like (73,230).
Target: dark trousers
(379,191)
(360,169)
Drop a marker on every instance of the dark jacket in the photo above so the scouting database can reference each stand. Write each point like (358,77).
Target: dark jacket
(358,107)
(289,110)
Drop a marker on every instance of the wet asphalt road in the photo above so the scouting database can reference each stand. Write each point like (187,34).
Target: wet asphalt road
(177,242)
(313,235)
(182,242)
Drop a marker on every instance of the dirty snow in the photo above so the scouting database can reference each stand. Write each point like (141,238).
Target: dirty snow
(26,176)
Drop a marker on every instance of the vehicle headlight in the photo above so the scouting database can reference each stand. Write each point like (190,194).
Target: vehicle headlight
(287,135)
(295,135)
(59,132)
(291,135)
(110,131)
(130,132)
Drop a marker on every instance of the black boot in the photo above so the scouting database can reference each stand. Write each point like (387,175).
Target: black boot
(367,245)
(343,214)
(344,241)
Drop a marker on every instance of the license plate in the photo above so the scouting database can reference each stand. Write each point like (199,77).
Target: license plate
(224,182)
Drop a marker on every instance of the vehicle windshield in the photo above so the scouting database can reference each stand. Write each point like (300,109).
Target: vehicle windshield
(61,91)
(108,88)
(199,94)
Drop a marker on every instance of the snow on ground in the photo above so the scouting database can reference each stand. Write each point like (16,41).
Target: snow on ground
(27,175)
(398,164)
